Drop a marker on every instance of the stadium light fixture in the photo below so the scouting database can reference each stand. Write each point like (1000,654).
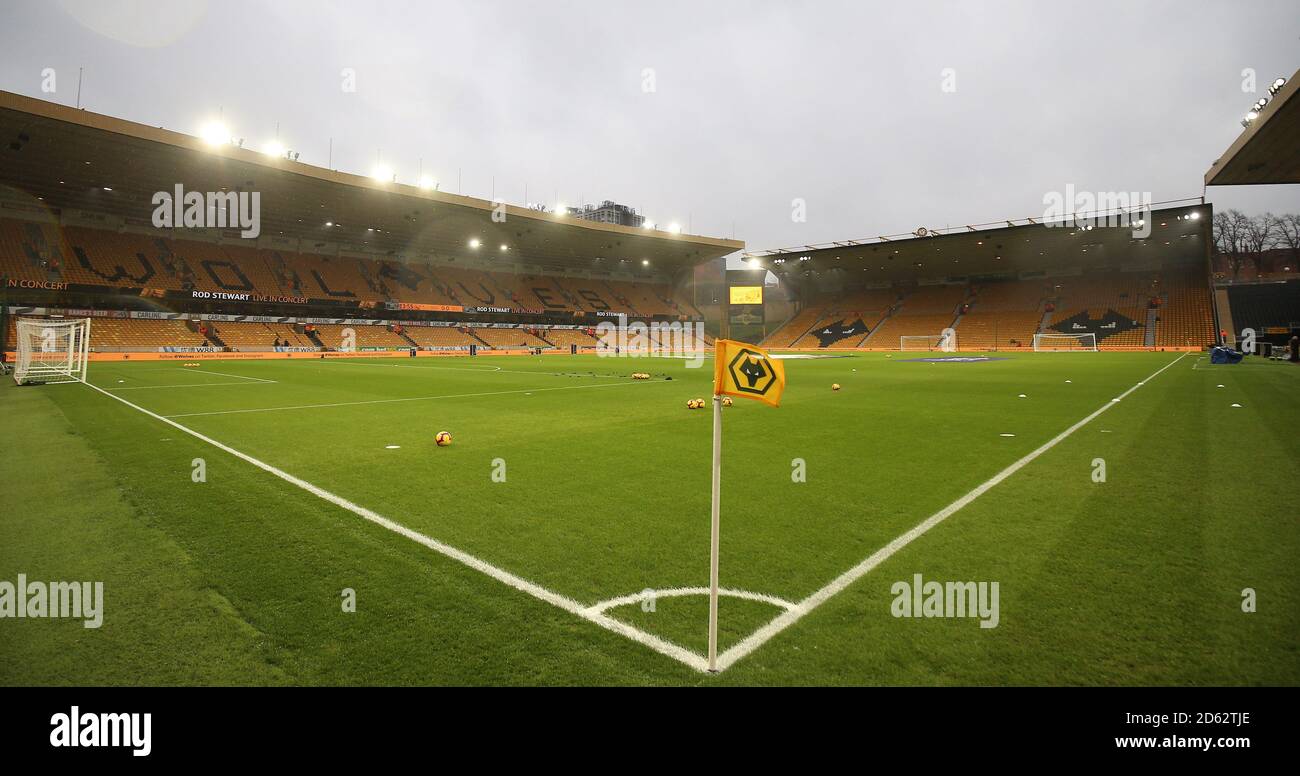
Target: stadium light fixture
(108,188)
(329,223)
(474,243)
(675,228)
(561,209)
(1276,85)
(383,174)
(504,247)
(427,182)
(214,133)
(274,148)
(645,262)
(648,224)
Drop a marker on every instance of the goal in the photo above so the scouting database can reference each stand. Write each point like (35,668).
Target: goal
(1053,343)
(51,351)
(946,342)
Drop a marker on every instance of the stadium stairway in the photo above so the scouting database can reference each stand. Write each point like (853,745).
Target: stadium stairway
(888,314)
(1045,322)
(414,344)
(1149,337)
(1225,310)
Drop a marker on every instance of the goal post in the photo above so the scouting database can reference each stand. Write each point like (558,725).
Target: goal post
(1058,343)
(945,342)
(51,350)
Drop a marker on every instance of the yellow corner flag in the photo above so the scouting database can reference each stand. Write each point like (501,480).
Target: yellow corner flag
(750,373)
(747,371)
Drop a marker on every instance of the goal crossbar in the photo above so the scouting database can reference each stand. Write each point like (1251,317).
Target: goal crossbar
(1085,342)
(946,342)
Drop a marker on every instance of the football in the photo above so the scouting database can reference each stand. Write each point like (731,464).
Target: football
(726,401)
(835,386)
(442,438)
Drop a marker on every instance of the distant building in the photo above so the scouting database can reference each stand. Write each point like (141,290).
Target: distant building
(609,213)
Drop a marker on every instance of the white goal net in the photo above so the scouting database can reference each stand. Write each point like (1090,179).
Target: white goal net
(945,342)
(1051,343)
(51,351)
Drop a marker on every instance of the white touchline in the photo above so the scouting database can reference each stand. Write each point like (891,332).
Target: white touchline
(391,401)
(791,616)
(659,645)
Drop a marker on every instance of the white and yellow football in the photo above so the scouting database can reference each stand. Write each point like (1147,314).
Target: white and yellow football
(442,438)
(835,386)
(726,401)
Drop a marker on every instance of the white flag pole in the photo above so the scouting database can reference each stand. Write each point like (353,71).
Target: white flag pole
(713,544)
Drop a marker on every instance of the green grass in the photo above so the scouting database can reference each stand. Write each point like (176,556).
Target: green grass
(237,580)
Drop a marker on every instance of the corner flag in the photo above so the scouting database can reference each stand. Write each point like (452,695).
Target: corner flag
(747,371)
(750,373)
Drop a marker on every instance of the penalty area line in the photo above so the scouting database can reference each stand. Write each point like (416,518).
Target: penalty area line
(789,617)
(655,643)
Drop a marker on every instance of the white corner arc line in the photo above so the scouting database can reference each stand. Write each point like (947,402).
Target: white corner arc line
(662,646)
(676,592)
(791,616)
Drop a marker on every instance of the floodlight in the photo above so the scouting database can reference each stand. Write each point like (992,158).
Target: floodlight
(214,133)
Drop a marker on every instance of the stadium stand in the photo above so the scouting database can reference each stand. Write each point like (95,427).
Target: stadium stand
(1111,305)
(928,310)
(1185,315)
(1265,305)
(331,336)
(793,329)
(563,338)
(133,334)
(440,337)
(505,339)
(97,257)
(1002,315)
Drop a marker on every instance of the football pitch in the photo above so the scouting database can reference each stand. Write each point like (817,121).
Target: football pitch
(238,511)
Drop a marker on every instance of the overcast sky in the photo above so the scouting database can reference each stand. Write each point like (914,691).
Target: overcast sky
(717,115)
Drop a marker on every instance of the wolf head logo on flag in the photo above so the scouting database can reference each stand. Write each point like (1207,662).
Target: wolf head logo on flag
(747,371)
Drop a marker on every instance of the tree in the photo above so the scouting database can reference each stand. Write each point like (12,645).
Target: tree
(1288,234)
(1259,236)
(1230,237)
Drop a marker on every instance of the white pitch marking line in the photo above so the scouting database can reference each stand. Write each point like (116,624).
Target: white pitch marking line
(390,401)
(495,369)
(675,592)
(791,616)
(224,374)
(184,385)
(659,645)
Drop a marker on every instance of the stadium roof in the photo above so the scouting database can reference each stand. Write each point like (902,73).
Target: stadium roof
(1007,247)
(74,159)
(1268,150)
